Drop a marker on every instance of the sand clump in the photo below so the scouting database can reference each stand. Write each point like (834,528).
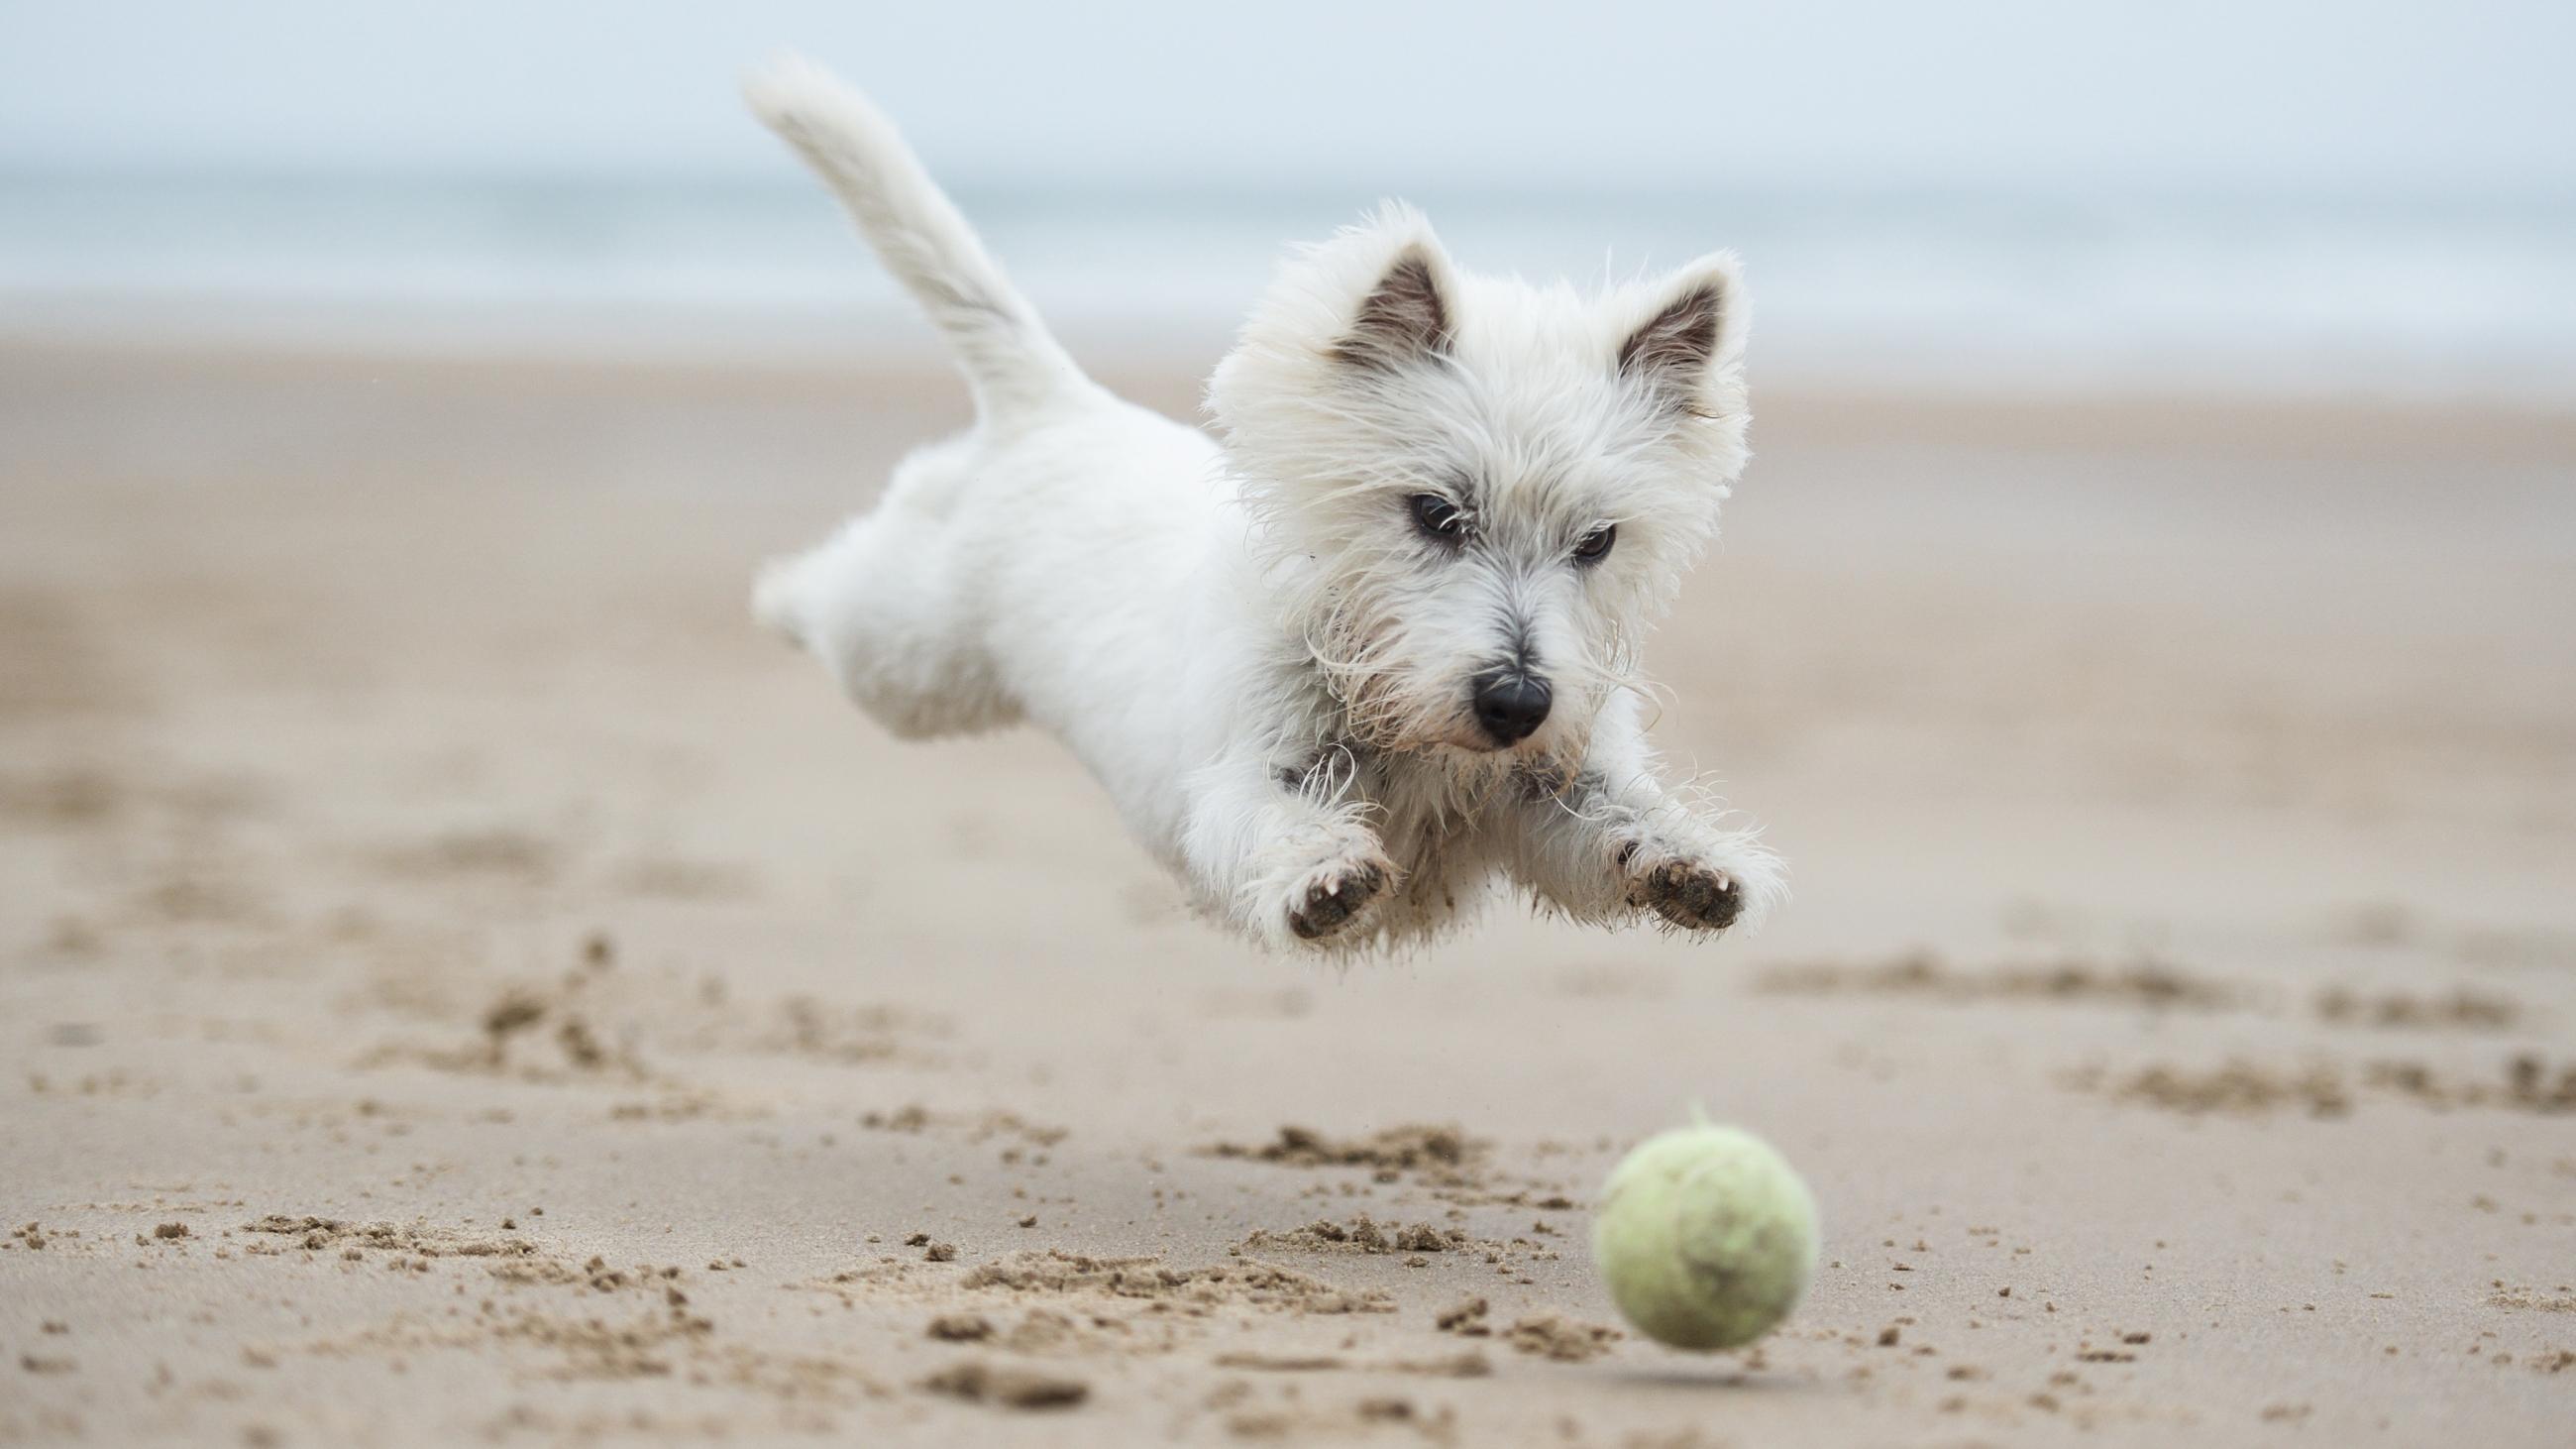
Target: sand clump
(1468,1319)
(515,1261)
(2324,1089)
(960,1328)
(1028,1141)
(2146,981)
(642,1346)
(415,1240)
(1362,1234)
(1074,1303)
(1344,1423)
(853,1035)
(1548,1335)
(660,1342)
(2461,1009)
(669,1340)
(1043,1332)
(1440,1153)
(2531,1084)
(1282,1363)
(595,1275)
(72,795)
(1442,1158)
(498,853)
(1466,1365)
(2238,1087)
(1004,1386)
(1248,1283)
(1566,1340)
(596,1021)
(534,1033)
(2526,1300)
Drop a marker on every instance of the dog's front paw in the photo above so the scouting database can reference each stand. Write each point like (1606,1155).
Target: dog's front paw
(1328,902)
(1692,896)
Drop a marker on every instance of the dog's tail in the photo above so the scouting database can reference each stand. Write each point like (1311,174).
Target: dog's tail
(1008,356)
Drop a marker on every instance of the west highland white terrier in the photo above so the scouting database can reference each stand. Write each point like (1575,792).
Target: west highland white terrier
(1366,654)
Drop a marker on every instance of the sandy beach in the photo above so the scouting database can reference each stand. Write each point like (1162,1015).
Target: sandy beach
(460,983)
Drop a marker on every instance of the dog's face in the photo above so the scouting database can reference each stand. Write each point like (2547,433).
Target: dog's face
(1481,493)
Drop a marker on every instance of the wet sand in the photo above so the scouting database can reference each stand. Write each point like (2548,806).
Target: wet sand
(459,982)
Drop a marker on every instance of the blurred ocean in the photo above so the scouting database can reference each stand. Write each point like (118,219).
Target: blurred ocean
(2413,297)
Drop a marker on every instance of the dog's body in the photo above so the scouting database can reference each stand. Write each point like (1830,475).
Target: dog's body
(1344,672)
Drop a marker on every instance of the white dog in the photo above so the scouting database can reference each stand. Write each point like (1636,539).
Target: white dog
(1372,652)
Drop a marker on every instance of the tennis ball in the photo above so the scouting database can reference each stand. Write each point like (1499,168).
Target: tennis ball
(1706,1237)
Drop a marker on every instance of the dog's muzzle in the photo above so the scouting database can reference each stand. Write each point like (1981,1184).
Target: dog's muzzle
(1510,706)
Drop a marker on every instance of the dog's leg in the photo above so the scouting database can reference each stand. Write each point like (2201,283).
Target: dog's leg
(1614,838)
(1284,854)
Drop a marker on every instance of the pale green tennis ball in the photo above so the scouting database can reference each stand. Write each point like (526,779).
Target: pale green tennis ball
(1706,1237)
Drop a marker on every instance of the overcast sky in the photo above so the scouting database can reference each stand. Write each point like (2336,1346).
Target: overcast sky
(2472,94)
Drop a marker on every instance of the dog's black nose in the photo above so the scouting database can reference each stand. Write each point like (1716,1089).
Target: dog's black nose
(1511,707)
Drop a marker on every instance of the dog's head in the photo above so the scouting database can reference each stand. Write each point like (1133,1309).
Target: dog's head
(1480,492)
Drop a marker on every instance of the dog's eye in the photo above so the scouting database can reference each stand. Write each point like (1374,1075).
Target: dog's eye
(1595,546)
(1439,517)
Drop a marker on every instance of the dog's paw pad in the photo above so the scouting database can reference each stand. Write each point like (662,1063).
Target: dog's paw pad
(1332,898)
(1693,897)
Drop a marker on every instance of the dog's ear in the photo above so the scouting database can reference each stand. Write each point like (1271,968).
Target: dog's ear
(1695,328)
(1404,318)
(1345,326)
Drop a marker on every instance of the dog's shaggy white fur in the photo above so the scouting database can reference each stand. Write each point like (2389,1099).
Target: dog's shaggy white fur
(1367,657)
